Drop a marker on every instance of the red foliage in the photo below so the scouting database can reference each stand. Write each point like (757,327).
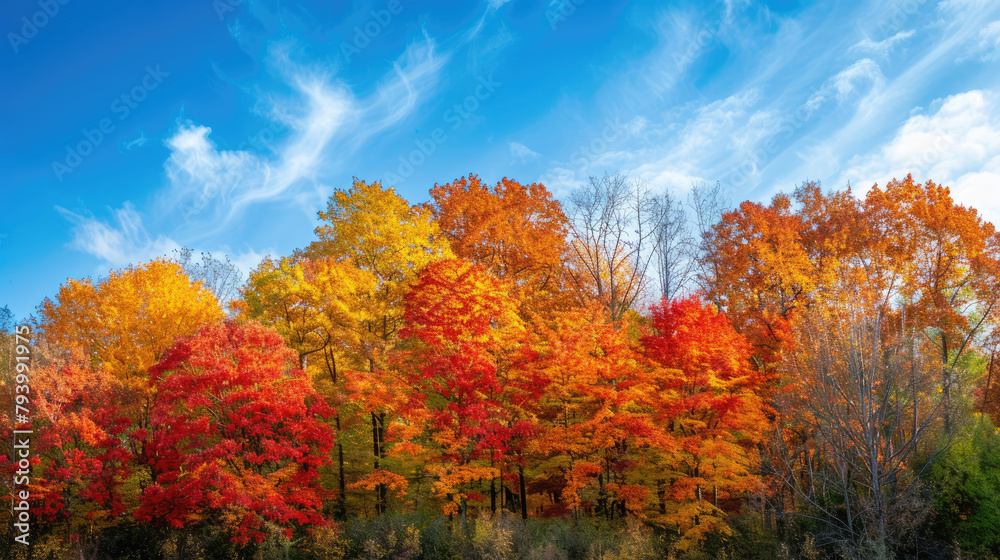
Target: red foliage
(714,358)
(236,433)
(84,452)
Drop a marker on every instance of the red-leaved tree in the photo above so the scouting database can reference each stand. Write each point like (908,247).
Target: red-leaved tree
(237,436)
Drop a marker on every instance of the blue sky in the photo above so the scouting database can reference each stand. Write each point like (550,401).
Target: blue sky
(134,128)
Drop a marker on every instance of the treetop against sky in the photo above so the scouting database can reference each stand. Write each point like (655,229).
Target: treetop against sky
(132,129)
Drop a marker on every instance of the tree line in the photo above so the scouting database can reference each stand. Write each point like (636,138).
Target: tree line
(821,367)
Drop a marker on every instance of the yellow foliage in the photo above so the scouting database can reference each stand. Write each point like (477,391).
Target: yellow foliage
(380,477)
(126,322)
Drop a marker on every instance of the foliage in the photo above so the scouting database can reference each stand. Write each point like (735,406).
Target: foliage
(483,376)
(516,232)
(125,323)
(711,399)
(968,480)
(462,318)
(87,455)
(388,242)
(236,437)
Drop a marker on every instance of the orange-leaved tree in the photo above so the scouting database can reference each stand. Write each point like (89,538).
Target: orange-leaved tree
(100,339)
(761,273)
(949,273)
(593,413)
(316,304)
(711,399)
(516,232)
(87,478)
(126,322)
(463,323)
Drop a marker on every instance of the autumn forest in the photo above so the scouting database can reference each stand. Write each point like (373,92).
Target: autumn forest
(499,374)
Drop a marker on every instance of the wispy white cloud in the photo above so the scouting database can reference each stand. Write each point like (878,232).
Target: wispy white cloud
(412,79)
(877,113)
(325,108)
(982,41)
(716,138)
(797,96)
(957,8)
(957,145)
(522,152)
(325,121)
(689,138)
(732,7)
(248,260)
(203,176)
(988,45)
(683,37)
(561,181)
(861,77)
(124,240)
(120,242)
(880,49)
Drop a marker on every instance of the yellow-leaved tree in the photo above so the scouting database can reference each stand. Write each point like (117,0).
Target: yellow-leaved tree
(126,322)
(316,305)
(379,233)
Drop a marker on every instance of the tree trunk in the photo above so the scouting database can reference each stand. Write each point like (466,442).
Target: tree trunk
(946,384)
(378,452)
(342,498)
(378,449)
(493,496)
(331,366)
(524,495)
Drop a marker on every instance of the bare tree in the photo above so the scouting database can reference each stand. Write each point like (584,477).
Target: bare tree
(708,202)
(862,387)
(221,277)
(613,221)
(673,246)
(6,320)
